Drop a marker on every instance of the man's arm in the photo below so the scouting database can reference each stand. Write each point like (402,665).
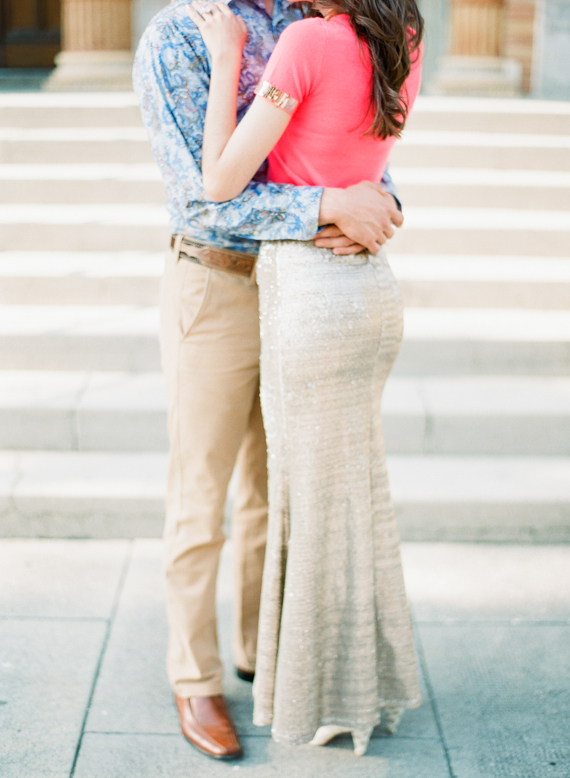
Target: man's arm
(390,188)
(171,78)
(358,217)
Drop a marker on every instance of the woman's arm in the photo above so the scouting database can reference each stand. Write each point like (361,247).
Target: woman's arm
(232,155)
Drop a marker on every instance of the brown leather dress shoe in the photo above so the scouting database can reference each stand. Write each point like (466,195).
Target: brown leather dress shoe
(207,724)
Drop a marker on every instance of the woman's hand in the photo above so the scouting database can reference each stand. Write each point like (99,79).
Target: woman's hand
(223,32)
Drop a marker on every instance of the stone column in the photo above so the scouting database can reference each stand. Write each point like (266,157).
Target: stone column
(96,52)
(476,65)
(551,76)
(476,27)
(519,35)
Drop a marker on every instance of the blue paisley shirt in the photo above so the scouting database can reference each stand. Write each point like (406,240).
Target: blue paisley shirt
(171,79)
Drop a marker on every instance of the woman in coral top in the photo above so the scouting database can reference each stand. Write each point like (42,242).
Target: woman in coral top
(335,642)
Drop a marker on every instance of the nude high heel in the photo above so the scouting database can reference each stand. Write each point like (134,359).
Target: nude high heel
(360,737)
(392,718)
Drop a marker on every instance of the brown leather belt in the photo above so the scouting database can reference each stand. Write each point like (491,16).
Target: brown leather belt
(209,256)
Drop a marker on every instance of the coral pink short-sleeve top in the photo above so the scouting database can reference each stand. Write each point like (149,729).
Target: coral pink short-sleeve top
(321,73)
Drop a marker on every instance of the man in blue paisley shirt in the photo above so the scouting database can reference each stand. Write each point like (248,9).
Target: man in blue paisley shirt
(210,347)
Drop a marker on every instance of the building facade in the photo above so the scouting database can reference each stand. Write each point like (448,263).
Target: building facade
(489,47)
(90,42)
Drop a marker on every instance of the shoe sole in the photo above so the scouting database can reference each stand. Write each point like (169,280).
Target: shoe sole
(219,757)
(244,675)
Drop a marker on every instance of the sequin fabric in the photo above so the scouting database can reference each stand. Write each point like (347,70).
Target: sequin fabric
(335,639)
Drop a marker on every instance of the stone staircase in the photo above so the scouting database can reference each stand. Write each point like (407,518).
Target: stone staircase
(477,412)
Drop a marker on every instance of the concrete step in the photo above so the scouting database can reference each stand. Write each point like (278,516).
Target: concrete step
(491,115)
(449,281)
(141,183)
(438,341)
(61,145)
(109,191)
(414,150)
(88,183)
(93,236)
(143,227)
(444,113)
(79,338)
(82,411)
(482,498)
(417,148)
(95,109)
(132,278)
(452,415)
(511,415)
(472,187)
(77,227)
(414,195)
(78,494)
(82,278)
(447,341)
(443,148)
(480,232)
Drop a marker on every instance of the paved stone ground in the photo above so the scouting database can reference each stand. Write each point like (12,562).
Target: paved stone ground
(83,690)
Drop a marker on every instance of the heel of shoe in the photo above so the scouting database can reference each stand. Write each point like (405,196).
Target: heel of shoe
(325,734)
(360,739)
(392,718)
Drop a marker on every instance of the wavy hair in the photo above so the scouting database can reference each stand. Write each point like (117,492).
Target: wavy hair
(392,30)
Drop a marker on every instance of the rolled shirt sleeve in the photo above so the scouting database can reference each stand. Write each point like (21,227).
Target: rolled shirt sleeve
(171,79)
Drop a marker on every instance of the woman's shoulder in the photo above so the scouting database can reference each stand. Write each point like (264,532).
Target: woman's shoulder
(304,33)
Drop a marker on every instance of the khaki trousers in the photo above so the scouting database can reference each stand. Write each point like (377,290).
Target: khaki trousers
(210,356)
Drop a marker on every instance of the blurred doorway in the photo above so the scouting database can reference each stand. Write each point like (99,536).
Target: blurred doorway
(29,33)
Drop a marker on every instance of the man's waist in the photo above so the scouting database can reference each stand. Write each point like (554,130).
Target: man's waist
(202,253)
(181,224)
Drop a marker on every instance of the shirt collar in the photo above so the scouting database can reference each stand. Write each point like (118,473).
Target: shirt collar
(277,9)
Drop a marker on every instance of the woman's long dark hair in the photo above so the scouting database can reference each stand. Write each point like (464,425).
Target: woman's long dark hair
(392,30)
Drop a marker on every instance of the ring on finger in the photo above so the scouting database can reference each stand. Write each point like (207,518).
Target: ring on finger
(202,9)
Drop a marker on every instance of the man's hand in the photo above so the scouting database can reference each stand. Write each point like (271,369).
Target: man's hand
(331,237)
(364,215)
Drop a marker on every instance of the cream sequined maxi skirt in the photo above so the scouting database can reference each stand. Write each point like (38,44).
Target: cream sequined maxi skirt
(335,641)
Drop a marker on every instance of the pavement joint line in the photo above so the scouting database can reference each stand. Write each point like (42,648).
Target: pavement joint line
(137,734)
(110,621)
(179,734)
(483,541)
(434,706)
(249,735)
(514,622)
(4,617)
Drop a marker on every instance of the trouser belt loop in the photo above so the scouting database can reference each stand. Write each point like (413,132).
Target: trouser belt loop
(175,243)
